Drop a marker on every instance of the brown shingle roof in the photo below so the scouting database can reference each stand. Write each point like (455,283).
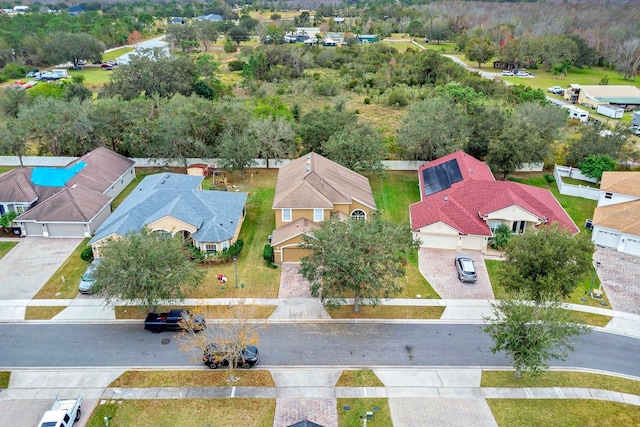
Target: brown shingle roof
(71,204)
(621,183)
(620,216)
(292,229)
(103,168)
(313,181)
(16,186)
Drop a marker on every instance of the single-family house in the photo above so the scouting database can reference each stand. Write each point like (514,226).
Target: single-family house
(212,17)
(175,203)
(461,205)
(312,189)
(66,202)
(616,220)
(625,96)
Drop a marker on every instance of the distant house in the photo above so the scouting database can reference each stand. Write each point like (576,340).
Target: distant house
(213,17)
(312,189)
(367,38)
(66,202)
(76,10)
(177,20)
(625,96)
(175,204)
(616,220)
(461,205)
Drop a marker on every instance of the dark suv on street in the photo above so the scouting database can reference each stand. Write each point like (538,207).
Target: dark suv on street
(215,356)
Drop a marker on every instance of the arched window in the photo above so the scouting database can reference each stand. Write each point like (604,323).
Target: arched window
(359,214)
(163,234)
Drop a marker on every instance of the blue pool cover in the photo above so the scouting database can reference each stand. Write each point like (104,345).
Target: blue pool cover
(55,177)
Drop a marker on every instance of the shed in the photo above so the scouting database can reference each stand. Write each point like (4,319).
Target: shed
(610,111)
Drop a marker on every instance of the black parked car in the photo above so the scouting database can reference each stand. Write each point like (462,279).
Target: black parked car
(215,356)
(172,320)
(466,268)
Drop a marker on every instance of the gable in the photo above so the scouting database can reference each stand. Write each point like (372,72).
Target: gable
(170,224)
(439,227)
(512,213)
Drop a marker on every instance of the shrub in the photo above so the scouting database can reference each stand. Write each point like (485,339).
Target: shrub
(236,65)
(501,237)
(14,71)
(398,97)
(230,46)
(87,254)
(549,178)
(78,78)
(267,254)
(367,100)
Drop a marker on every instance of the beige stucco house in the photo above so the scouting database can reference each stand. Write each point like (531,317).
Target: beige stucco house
(312,189)
(462,205)
(176,204)
(616,220)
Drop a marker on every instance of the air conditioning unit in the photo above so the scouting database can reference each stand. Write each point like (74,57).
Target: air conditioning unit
(589,224)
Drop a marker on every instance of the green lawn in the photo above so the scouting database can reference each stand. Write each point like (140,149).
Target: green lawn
(359,407)
(4,379)
(359,378)
(186,413)
(563,412)
(193,378)
(5,247)
(561,379)
(94,77)
(110,56)
(4,169)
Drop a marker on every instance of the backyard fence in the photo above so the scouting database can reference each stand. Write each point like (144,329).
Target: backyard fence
(583,191)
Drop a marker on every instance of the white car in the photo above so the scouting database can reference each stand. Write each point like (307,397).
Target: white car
(556,89)
(522,73)
(506,73)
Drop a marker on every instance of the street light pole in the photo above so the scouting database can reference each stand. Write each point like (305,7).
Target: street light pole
(235,267)
(593,279)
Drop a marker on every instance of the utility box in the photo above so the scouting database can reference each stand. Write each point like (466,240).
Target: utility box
(610,111)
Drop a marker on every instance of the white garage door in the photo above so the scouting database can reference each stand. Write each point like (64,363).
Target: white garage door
(438,241)
(632,247)
(65,230)
(606,238)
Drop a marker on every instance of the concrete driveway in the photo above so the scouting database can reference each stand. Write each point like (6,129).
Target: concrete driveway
(620,277)
(28,266)
(437,266)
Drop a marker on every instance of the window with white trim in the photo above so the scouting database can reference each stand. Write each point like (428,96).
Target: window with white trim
(211,247)
(286,215)
(318,215)
(359,214)
(20,210)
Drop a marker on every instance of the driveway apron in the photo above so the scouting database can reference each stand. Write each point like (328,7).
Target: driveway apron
(28,266)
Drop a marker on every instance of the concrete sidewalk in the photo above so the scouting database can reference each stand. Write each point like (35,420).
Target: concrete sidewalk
(451,397)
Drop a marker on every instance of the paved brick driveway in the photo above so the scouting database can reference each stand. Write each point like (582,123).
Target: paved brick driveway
(292,284)
(620,277)
(437,266)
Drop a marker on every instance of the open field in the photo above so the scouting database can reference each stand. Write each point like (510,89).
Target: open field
(186,413)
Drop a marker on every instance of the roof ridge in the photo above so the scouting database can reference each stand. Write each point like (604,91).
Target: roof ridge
(73,200)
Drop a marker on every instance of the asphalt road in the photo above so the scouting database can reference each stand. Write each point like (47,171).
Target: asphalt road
(295,344)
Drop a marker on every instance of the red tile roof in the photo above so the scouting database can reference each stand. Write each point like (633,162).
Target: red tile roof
(465,203)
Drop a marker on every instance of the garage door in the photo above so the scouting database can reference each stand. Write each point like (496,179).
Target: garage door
(437,241)
(632,247)
(65,230)
(606,238)
(293,254)
(33,229)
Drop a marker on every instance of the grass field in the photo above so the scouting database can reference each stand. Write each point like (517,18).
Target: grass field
(5,247)
(563,412)
(194,378)
(359,407)
(387,312)
(359,378)
(4,379)
(186,413)
(561,379)
(137,312)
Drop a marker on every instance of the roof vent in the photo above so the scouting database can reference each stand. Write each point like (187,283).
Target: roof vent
(73,187)
(308,168)
(446,197)
(470,170)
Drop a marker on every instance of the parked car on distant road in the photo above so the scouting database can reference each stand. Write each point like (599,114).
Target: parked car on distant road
(466,268)
(214,357)
(506,73)
(522,73)
(556,90)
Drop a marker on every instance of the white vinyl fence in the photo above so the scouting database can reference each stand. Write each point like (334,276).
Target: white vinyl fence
(583,191)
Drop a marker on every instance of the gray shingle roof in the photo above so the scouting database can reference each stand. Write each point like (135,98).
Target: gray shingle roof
(214,213)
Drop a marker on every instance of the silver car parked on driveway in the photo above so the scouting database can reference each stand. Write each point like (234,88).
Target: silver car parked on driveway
(466,268)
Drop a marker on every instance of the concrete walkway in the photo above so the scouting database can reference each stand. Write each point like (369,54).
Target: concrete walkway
(437,397)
